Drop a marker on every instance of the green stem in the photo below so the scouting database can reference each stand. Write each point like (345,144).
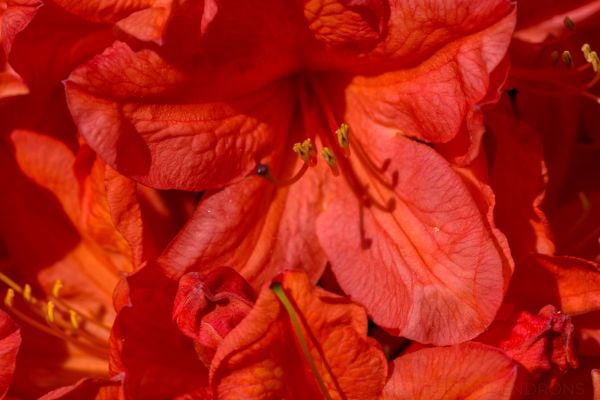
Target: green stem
(296,325)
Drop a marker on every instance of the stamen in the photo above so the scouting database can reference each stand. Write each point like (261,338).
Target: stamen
(73,319)
(264,171)
(10,297)
(343,137)
(305,150)
(50,311)
(56,287)
(297,327)
(301,151)
(591,57)
(27,293)
(330,159)
(569,23)
(567,58)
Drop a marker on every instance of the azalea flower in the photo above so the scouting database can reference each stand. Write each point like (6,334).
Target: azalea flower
(247,106)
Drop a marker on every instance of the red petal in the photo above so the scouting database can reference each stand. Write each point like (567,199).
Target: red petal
(469,370)
(214,143)
(433,100)
(386,35)
(207,308)
(89,389)
(158,361)
(569,282)
(10,340)
(14,17)
(347,24)
(541,343)
(433,272)
(518,152)
(52,45)
(261,358)
(79,186)
(147,219)
(253,228)
(147,20)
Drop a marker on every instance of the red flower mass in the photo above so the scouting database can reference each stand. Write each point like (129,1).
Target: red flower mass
(342,199)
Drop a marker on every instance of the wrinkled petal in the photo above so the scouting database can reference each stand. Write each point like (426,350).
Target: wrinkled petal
(383,34)
(207,308)
(353,24)
(542,343)
(89,389)
(213,142)
(432,100)
(10,340)
(14,17)
(261,358)
(466,371)
(432,271)
(253,227)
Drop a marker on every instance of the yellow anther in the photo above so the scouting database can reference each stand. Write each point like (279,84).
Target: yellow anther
(10,296)
(305,150)
(594,60)
(329,157)
(591,56)
(309,147)
(567,58)
(343,135)
(73,319)
(50,311)
(27,293)
(586,49)
(56,287)
(569,23)
(301,151)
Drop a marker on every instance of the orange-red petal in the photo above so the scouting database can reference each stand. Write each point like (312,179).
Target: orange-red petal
(466,371)
(253,227)
(433,271)
(261,357)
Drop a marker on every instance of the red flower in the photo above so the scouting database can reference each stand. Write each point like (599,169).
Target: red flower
(396,224)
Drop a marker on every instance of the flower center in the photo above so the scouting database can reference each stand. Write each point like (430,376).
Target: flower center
(53,316)
(343,156)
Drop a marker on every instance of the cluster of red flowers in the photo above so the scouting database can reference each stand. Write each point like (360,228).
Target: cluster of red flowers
(303,199)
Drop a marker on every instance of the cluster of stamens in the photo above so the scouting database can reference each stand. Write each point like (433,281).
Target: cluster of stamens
(55,317)
(549,82)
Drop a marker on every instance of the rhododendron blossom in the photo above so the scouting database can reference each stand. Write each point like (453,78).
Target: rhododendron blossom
(305,199)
